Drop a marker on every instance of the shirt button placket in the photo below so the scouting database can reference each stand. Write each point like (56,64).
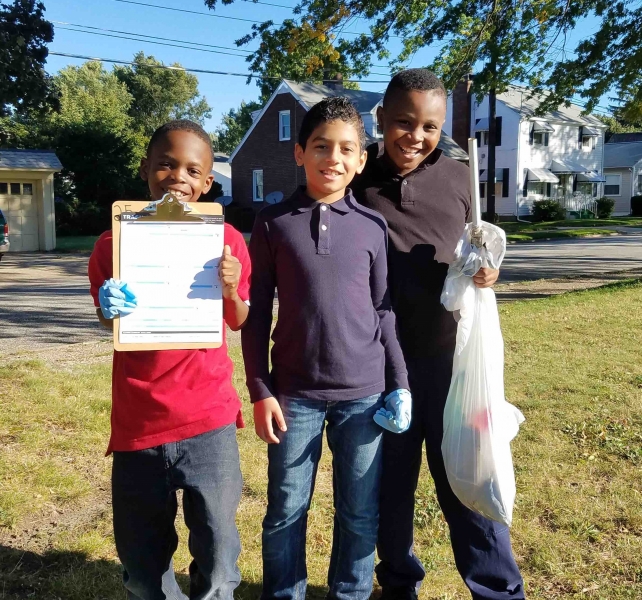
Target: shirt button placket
(323,247)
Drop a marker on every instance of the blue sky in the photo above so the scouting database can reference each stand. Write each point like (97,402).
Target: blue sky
(222,92)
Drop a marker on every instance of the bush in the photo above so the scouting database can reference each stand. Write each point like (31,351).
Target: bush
(636,206)
(548,209)
(605,207)
(485,218)
(81,218)
(240,217)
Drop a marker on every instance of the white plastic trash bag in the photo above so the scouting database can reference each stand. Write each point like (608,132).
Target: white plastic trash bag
(478,422)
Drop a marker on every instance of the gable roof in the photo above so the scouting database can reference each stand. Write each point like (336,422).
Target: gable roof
(312,93)
(309,94)
(518,98)
(32,160)
(616,138)
(624,154)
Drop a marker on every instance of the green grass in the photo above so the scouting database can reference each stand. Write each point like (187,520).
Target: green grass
(552,234)
(521,227)
(76,243)
(573,366)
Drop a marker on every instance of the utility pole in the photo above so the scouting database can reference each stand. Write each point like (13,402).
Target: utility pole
(492,141)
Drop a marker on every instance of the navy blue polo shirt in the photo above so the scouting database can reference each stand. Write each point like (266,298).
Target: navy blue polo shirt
(335,335)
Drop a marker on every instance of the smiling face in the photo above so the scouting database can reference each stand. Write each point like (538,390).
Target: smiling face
(411,122)
(179,162)
(331,157)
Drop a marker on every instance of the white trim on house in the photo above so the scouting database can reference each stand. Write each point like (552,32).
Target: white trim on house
(255,184)
(282,126)
(619,184)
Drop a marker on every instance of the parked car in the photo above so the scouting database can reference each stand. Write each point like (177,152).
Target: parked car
(4,235)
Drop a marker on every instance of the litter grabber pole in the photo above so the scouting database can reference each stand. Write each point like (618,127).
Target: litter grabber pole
(476,236)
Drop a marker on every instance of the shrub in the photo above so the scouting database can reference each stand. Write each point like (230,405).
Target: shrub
(548,209)
(485,218)
(81,218)
(636,206)
(240,217)
(605,207)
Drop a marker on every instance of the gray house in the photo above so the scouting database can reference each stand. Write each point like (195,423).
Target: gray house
(623,173)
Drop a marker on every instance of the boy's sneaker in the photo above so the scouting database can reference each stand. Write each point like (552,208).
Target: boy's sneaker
(399,593)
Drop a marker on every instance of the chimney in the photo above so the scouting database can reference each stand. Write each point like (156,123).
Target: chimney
(333,80)
(461,104)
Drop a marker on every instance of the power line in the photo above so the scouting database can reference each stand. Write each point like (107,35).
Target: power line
(192,70)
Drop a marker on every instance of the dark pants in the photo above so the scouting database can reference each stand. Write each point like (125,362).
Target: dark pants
(144,483)
(481,547)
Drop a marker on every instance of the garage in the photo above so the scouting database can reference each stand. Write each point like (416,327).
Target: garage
(26,198)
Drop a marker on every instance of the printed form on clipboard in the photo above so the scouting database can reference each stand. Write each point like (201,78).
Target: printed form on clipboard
(169,254)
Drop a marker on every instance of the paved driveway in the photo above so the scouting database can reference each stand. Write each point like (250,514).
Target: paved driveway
(45,301)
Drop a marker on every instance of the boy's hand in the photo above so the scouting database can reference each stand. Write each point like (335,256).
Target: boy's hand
(485,277)
(397,413)
(229,273)
(266,412)
(116,299)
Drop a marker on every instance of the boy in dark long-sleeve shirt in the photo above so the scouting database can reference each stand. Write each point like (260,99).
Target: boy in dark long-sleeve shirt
(425,198)
(335,352)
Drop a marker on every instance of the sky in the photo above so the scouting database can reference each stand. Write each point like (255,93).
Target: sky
(210,28)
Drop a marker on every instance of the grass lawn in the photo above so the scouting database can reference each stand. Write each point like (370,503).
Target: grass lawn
(573,366)
(521,227)
(76,243)
(551,234)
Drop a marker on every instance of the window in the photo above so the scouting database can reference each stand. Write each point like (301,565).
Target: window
(612,185)
(4,188)
(537,188)
(484,138)
(588,142)
(27,189)
(538,138)
(257,186)
(639,185)
(284,125)
(15,188)
(482,189)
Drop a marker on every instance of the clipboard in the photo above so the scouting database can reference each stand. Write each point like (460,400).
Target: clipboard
(168,209)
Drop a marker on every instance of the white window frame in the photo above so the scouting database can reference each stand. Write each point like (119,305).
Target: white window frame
(255,176)
(282,135)
(485,136)
(619,184)
(541,188)
(588,142)
(639,185)
(542,138)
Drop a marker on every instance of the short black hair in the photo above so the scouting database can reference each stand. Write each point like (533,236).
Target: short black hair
(336,108)
(180,125)
(421,80)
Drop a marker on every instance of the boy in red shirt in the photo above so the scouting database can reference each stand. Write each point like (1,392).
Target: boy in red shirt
(175,412)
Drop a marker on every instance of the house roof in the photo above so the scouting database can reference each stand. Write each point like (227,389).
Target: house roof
(31,160)
(518,98)
(625,154)
(312,93)
(616,138)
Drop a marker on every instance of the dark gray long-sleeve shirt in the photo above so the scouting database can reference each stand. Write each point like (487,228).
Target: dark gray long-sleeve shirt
(335,336)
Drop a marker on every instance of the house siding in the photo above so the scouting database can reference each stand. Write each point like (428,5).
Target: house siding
(262,148)
(623,201)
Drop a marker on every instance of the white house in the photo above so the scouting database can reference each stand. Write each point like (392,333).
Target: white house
(623,173)
(222,171)
(27,198)
(559,154)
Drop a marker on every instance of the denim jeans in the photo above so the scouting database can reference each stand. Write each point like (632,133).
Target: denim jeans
(481,547)
(354,440)
(144,483)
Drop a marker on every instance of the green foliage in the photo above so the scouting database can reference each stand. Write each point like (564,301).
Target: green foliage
(636,206)
(24,33)
(235,124)
(548,209)
(605,207)
(617,126)
(159,95)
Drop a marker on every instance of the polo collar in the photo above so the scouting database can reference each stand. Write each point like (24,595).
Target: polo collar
(303,202)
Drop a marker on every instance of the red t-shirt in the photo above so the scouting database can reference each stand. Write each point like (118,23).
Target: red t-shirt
(162,396)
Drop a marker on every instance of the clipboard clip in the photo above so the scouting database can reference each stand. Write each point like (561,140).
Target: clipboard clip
(168,208)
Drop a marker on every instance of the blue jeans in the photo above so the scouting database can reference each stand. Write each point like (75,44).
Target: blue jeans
(354,440)
(481,547)
(144,483)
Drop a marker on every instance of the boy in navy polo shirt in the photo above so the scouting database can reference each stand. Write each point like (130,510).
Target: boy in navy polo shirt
(175,412)
(425,197)
(335,352)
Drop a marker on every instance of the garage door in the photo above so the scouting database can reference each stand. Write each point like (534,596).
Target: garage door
(20,208)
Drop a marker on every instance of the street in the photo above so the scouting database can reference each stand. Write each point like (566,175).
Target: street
(45,301)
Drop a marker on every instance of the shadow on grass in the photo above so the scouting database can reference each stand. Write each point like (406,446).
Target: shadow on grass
(67,575)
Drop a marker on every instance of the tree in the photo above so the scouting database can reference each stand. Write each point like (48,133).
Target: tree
(160,94)
(235,125)
(24,33)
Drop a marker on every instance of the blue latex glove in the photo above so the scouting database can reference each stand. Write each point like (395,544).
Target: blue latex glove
(116,299)
(395,416)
